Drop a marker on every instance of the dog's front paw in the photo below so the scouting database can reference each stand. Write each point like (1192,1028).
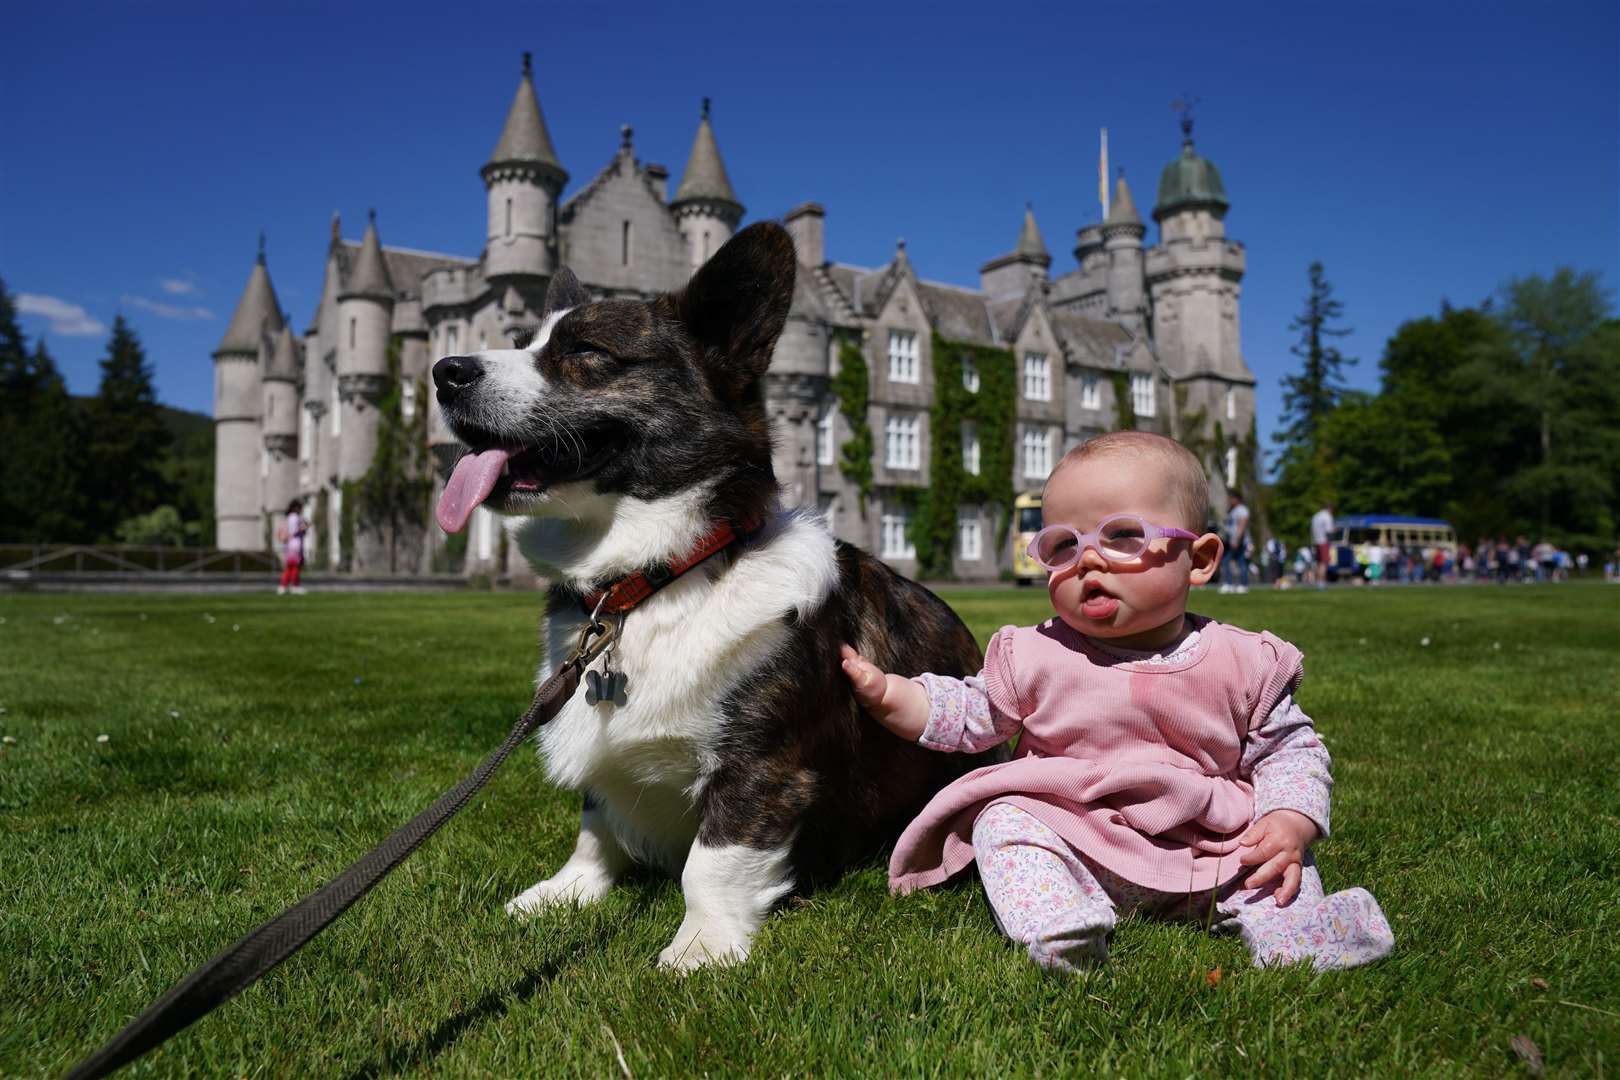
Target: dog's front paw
(566,888)
(701,944)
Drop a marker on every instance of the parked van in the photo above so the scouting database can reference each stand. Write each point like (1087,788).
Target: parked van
(1353,532)
(1026,523)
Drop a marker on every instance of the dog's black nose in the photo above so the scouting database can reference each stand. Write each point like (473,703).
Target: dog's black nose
(454,374)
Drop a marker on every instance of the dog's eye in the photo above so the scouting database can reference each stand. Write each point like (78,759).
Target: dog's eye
(523,336)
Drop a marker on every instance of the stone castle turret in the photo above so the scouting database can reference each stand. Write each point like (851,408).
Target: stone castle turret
(1122,234)
(706,209)
(239,452)
(523,179)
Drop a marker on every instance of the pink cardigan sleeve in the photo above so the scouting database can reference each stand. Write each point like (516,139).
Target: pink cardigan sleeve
(975,713)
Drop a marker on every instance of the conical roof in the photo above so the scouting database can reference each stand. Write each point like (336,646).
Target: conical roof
(1029,237)
(525,138)
(1122,211)
(369,276)
(1190,181)
(284,358)
(705,175)
(257,312)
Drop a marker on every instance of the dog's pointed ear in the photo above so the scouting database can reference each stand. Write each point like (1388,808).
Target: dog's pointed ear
(565,292)
(737,303)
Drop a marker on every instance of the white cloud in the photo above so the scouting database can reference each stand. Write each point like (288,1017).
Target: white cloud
(178,286)
(69,320)
(169,311)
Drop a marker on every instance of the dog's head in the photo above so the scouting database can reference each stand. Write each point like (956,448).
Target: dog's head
(620,401)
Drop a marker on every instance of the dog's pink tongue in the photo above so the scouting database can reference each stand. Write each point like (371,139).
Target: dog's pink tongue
(470,484)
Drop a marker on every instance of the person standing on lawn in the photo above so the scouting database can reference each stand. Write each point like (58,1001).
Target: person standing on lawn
(1161,755)
(292,537)
(1321,537)
(1236,564)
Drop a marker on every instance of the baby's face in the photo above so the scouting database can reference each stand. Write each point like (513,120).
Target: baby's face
(1137,604)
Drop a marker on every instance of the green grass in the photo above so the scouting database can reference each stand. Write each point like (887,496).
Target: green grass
(257,745)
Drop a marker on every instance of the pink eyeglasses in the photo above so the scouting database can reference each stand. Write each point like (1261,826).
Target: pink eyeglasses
(1121,538)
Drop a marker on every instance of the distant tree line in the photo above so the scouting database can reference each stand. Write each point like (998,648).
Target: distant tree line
(1503,419)
(117,467)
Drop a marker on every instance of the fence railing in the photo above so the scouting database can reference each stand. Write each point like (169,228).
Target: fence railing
(21,560)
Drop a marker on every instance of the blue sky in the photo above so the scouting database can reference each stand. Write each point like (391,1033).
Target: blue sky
(1421,151)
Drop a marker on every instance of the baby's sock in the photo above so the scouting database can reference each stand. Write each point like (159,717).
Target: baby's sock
(1343,930)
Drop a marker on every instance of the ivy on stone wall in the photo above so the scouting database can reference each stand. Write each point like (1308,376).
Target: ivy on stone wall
(992,409)
(1124,404)
(346,524)
(320,524)
(397,488)
(853,390)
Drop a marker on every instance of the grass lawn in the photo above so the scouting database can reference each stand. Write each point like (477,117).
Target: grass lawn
(255,745)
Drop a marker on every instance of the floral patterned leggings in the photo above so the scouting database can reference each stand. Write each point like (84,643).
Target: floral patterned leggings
(1062,906)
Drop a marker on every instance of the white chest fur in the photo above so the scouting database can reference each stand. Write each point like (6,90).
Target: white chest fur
(683,651)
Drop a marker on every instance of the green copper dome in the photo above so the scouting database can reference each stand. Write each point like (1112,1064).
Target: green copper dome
(1190,181)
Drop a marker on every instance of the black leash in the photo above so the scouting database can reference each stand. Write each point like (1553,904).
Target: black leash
(241,965)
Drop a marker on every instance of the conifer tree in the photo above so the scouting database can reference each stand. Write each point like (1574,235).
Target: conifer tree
(1309,396)
(127,437)
(41,456)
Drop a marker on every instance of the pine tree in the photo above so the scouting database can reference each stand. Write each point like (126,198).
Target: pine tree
(1309,396)
(128,439)
(41,452)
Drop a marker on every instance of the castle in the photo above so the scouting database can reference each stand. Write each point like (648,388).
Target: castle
(1146,335)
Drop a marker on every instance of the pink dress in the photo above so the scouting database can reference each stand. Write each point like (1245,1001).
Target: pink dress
(1133,763)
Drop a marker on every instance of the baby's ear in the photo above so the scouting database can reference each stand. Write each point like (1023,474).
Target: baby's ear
(1206,558)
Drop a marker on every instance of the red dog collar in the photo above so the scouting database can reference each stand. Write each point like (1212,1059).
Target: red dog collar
(627,592)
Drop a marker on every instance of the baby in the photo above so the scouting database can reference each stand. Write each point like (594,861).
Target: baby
(1160,754)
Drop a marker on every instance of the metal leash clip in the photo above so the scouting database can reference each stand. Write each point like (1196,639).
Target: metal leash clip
(594,639)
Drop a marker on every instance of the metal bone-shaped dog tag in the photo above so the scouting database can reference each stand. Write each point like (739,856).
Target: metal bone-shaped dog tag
(615,687)
(593,687)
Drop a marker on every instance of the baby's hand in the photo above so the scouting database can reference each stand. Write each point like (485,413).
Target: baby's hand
(1278,840)
(898,704)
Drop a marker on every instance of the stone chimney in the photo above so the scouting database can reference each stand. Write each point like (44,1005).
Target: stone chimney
(659,175)
(807,224)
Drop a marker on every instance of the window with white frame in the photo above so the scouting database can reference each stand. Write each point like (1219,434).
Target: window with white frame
(970,375)
(902,441)
(337,409)
(896,541)
(1231,403)
(407,398)
(1142,394)
(452,339)
(336,502)
(1037,452)
(903,365)
(968,543)
(1231,468)
(1037,377)
(970,448)
(264,462)
(1090,392)
(824,435)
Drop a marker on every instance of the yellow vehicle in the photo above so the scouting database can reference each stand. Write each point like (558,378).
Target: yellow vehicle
(1026,523)
(1352,533)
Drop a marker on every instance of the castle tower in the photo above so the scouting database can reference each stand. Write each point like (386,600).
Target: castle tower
(706,209)
(523,178)
(279,412)
(365,313)
(238,451)
(1009,275)
(316,446)
(1122,234)
(1194,278)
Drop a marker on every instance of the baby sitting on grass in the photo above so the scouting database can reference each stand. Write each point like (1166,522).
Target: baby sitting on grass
(1160,754)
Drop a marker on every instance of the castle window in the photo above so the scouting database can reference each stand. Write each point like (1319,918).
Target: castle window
(508,217)
(1231,404)
(337,410)
(1231,468)
(407,398)
(967,535)
(1037,377)
(264,463)
(705,245)
(902,356)
(896,543)
(1142,394)
(970,375)
(902,441)
(1037,452)
(970,449)
(624,245)
(452,339)
(1090,392)
(824,436)
(352,323)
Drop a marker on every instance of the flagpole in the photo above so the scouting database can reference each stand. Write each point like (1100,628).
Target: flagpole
(1102,175)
